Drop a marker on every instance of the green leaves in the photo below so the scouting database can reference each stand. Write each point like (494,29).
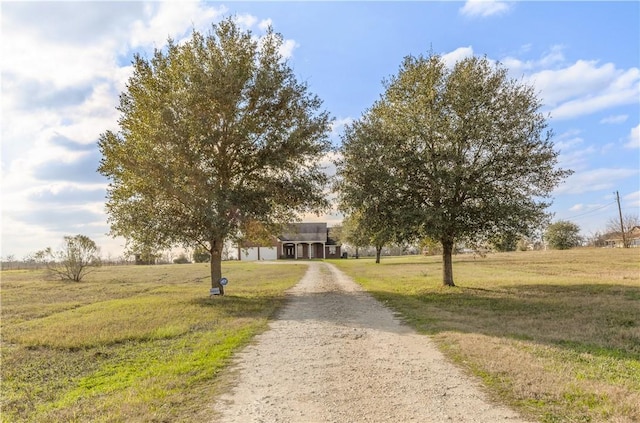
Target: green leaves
(214,132)
(563,235)
(451,153)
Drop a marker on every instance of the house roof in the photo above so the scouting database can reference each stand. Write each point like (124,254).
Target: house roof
(273,242)
(304,232)
(634,233)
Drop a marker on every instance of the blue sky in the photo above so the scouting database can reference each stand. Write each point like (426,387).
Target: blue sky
(65,63)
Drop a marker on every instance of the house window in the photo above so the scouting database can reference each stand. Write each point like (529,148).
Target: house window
(332,250)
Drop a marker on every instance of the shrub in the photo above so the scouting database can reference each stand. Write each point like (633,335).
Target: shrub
(78,256)
(563,235)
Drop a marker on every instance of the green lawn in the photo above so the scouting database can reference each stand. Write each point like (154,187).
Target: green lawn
(556,334)
(130,343)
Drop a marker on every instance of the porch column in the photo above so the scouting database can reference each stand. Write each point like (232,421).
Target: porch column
(295,250)
(324,253)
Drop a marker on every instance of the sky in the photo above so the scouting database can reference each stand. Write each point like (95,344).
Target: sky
(64,64)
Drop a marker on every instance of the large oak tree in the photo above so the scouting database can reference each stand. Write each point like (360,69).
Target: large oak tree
(463,153)
(215,133)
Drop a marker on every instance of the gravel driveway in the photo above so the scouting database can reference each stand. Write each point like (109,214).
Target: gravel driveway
(335,354)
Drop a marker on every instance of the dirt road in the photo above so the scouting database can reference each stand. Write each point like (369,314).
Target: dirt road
(335,354)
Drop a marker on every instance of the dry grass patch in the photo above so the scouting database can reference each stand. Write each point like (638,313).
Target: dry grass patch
(128,344)
(555,334)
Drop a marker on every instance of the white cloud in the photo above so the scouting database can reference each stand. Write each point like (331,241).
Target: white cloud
(587,208)
(576,159)
(570,90)
(338,125)
(61,80)
(579,79)
(594,180)
(634,138)
(632,199)
(586,87)
(607,147)
(265,24)
(569,143)
(614,119)
(287,47)
(60,87)
(171,19)
(456,55)
(525,48)
(573,155)
(592,104)
(485,8)
(59,65)
(518,67)
(247,21)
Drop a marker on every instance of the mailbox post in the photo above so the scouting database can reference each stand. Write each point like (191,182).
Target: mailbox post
(216,291)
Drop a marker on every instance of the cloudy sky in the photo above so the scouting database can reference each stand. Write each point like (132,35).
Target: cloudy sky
(65,63)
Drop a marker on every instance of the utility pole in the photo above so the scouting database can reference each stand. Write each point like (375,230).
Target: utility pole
(624,240)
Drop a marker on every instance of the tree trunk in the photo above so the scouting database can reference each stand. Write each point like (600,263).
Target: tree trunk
(216,265)
(378,251)
(447,265)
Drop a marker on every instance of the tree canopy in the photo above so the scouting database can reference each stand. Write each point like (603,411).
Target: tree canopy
(214,133)
(455,153)
(365,190)
(563,235)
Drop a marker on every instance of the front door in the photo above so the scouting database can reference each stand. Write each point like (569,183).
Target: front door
(289,251)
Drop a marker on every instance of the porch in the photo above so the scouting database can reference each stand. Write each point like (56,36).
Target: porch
(295,250)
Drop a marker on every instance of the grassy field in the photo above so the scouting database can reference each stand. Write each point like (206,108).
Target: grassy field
(555,334)
(130,343)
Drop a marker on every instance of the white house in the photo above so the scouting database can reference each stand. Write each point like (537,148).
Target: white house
(298,241)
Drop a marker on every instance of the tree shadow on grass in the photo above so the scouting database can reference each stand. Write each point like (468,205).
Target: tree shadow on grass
(408,263)
(241,307)
(588,318)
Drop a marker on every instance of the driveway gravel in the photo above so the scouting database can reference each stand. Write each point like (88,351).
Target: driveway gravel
(335,354)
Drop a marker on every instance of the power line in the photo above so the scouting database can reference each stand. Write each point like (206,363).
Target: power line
(591,211)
